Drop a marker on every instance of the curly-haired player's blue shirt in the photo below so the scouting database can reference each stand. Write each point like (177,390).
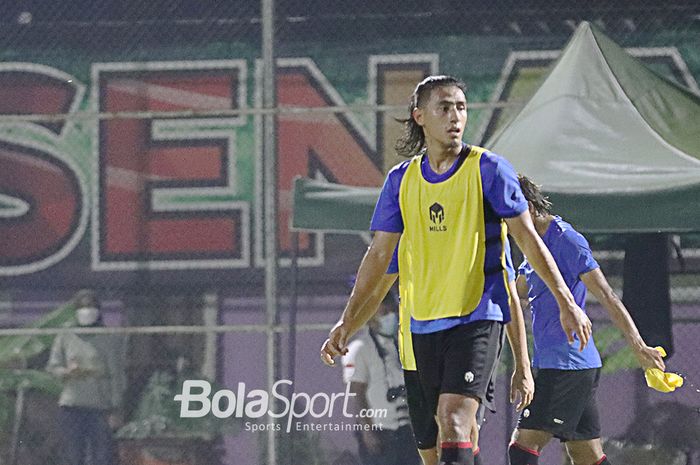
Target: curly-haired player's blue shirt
(502,199)
(573,256)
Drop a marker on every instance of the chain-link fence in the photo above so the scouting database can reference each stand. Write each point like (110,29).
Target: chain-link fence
(142,145)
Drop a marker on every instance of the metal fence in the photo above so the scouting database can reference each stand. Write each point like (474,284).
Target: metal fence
(148,149)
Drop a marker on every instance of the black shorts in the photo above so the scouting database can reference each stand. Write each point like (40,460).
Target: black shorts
(423,422)
(460,360)
(564,404)
(425,427)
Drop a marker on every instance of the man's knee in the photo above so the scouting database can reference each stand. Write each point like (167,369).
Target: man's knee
(531,439)
(589,459)
(521,455)
(589,452)
(456,415)
(455,424)
(526,445)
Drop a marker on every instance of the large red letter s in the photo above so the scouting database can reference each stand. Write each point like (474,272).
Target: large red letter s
(42,212)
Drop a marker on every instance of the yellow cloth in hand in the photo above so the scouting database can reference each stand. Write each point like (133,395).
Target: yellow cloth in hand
(662,382)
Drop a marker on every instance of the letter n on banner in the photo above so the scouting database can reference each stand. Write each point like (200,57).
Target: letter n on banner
(335,147)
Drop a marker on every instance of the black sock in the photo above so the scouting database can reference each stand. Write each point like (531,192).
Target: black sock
(456,453)
(520,455)
(477,456)
(603,461)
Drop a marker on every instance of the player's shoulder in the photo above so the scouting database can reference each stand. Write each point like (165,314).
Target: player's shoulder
(488,156)
(492,163)
(402,166)
(397,171)
(566,232)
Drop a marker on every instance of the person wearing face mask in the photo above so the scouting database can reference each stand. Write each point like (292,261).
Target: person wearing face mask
(373,369)
(91,369)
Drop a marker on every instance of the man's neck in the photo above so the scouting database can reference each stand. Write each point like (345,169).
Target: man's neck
(542,224)
(442,159)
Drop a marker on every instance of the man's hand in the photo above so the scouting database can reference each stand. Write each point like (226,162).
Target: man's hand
(649,357)
(576,322)
(522,386)
(335,345)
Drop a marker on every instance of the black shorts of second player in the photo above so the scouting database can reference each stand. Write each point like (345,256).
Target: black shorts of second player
(564,404)
(460,360)
(425,428)
(423,423)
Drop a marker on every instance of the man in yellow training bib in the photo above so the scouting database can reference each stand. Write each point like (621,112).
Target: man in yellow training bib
(448,204)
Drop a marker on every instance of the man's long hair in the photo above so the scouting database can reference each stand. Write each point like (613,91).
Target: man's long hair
(413,139)
(534,195)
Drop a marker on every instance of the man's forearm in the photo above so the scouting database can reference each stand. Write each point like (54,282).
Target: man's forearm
(622,319)
(517,339)
(373,301)
(595,281)
(597,284)
(360,307)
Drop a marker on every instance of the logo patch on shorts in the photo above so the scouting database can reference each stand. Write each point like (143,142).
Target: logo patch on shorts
(558,421)
(526,413)
(469,377)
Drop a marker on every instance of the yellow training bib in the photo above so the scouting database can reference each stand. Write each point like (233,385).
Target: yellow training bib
(442,248)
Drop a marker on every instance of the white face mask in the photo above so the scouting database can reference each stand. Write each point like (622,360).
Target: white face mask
(87,316)
(388,325)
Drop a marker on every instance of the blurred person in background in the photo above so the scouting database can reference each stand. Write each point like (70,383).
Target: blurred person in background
(91,369)
(448,205)
(567,375)
(373,369)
